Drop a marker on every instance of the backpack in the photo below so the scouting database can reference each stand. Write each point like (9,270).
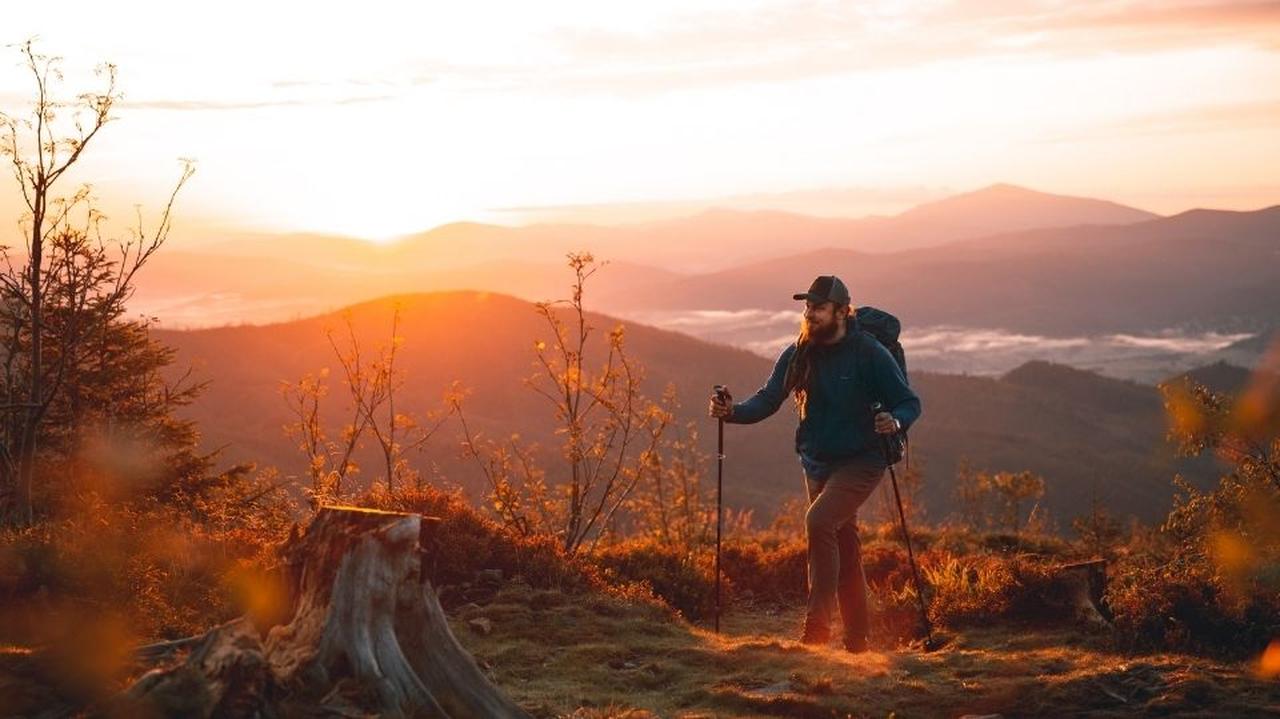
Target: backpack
(885,328)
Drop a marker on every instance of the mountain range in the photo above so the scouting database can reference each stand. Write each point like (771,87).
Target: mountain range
(1010,275)
(211,283)
(1083,432)
(1208,269)
(711,240)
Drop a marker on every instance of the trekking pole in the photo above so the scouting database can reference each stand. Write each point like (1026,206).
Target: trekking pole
(906,537)
(722,394)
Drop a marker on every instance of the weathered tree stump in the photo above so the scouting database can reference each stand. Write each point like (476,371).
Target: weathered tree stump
(1081,586)
(364,634)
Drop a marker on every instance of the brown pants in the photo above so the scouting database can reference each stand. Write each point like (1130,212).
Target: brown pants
(835,552)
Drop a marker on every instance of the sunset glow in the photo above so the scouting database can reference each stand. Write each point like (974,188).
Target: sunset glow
(387,119)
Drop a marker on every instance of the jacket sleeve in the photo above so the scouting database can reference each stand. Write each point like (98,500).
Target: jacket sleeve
(768,398)
(894,392)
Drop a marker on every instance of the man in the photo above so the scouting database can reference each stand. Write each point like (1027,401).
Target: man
(835,373)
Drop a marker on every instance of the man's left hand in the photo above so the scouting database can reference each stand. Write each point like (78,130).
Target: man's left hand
(887,423)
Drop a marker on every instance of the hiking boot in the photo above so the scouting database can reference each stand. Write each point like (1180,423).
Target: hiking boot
(855,645)
(814,635)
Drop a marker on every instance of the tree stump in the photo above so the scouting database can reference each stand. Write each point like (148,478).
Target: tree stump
(1082,585)
(363,634)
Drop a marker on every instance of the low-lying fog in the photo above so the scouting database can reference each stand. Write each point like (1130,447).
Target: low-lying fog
(1146,357)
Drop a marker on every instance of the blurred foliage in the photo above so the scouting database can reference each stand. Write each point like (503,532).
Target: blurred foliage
(1209,579)
(164,571)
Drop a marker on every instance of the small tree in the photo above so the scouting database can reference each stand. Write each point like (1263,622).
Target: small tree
(973,493)
(610,431)
(1011,490)
(672,504)
(996,500)
(60,298)
(1099,529)
(371,386)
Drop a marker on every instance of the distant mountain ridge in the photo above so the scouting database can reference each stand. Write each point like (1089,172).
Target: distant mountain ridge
(1202,268)
(1220,377)
(1074,427)
(1000,209)
(317,273)
(717,238)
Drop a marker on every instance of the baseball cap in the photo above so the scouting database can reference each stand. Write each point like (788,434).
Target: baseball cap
(827,288)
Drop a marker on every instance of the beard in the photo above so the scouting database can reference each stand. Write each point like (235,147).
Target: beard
(822,332)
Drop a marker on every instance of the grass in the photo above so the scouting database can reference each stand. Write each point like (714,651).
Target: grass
(598,657)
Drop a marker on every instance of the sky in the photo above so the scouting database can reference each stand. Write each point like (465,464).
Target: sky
(377,119)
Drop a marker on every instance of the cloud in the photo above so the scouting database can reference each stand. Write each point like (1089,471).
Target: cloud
(801,40)
(297,92)
(298,84)
(1231,116)
(1199,344)
(1198,16)
(698,320)
(218,105)
(771,347)
(937,341)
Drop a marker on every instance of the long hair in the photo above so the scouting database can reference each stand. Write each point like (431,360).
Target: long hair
(800,368)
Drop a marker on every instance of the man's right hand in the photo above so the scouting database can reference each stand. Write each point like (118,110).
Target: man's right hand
(721,406)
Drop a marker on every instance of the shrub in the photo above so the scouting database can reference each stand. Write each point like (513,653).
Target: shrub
(1185,606)
(982,588)
(883,563)
(1209,581)
(466,541)
(775,571)
(685,582)
(961,589)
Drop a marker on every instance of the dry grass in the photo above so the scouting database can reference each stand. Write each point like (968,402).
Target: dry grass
(595,656)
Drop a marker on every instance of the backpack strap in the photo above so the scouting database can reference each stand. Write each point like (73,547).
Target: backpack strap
(864,366)
(863,371)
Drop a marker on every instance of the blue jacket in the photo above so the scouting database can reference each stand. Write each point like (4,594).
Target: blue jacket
(846,378)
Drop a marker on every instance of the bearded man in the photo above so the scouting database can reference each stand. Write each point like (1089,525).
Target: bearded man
(835,373)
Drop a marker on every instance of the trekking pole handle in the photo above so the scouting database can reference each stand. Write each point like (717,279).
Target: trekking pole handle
(722,394)
(877,408)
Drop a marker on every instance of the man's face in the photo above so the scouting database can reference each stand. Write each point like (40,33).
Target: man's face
(821,319)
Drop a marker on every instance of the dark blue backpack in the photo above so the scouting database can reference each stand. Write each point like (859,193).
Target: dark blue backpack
(885,328)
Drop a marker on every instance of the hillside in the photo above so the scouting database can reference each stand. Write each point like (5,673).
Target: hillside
(1098,430)
(1220,377)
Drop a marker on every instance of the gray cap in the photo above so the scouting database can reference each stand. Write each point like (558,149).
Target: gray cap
(827,288)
